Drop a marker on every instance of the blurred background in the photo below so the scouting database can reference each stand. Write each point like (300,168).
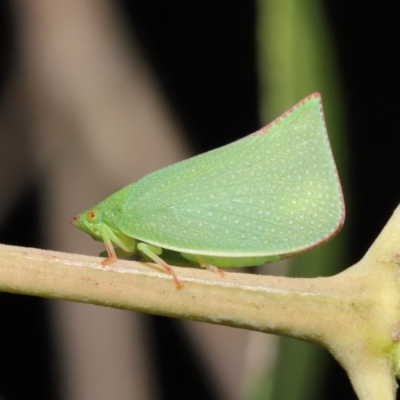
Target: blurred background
(95,94)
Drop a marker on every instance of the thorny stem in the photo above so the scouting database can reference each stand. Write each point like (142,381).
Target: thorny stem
(355,314)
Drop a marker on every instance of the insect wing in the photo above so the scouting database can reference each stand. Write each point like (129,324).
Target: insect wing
(273,192)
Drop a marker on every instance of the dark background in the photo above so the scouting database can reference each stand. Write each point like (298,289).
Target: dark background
(211,99)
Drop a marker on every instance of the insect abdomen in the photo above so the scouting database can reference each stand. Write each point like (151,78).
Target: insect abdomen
(233,262)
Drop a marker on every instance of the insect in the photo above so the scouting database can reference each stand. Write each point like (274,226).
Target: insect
(268,196)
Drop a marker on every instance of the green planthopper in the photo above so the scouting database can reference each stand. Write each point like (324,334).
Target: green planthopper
(270,195)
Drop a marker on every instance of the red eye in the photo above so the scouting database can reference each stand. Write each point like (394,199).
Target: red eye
(91,215)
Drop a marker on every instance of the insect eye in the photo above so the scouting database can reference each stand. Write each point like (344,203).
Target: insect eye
(91,215)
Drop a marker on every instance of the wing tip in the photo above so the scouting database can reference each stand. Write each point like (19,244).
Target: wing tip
(315,95)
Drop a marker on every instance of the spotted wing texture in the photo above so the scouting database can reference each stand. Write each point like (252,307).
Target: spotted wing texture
(273,192)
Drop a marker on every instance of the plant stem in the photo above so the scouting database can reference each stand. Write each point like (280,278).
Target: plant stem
(266,303)
(355,314)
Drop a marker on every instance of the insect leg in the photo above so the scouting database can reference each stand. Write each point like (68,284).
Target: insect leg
(204,264)
(148,251)
(112,257)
